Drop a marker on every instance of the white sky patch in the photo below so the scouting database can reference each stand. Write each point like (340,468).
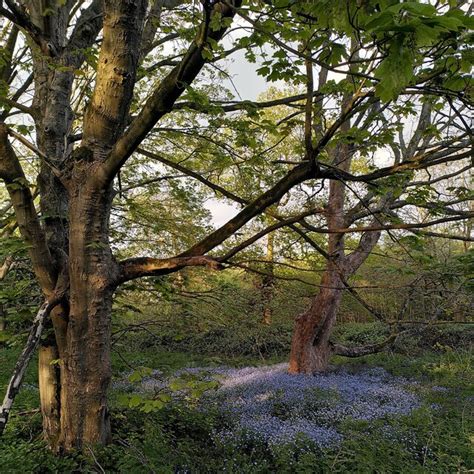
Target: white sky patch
(221,212)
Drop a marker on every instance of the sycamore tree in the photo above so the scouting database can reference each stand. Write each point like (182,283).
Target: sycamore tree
(88,85)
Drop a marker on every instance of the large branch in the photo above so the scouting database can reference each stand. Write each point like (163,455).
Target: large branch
(296,176)
(136,268)
(232,196)
(107,112)
(85,32)
(367,243)
(163,98)
(20,195)
(145,266)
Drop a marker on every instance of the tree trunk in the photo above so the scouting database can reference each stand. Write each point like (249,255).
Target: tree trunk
(49,388)
(310,347)
(86,364)
(268,281)
(86,368)
(52,89)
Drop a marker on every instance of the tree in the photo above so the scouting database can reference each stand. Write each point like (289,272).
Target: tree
(91,112)
(75,184)
(390,32)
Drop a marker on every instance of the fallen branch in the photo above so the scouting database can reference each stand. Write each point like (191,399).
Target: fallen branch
(24,360)
(359,351)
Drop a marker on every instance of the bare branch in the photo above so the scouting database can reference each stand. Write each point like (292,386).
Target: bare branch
(144,266)
(25,212)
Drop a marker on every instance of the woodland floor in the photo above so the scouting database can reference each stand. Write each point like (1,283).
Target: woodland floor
(178,412)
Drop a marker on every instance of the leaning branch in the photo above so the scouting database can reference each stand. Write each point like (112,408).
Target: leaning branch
(215,187)
(297,175)
(18,189)
(24,360)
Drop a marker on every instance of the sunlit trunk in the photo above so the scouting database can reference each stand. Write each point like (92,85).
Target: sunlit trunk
(310,347)
(49,388)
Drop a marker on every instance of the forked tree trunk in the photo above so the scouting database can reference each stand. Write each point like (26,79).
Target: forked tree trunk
(310,346)
(75,206)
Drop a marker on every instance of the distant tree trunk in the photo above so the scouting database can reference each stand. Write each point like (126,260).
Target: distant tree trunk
(310,347)
(268,281)
(3,318)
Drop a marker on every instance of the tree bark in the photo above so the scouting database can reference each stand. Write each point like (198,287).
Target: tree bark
(86,368)
(268,281)
(310,347)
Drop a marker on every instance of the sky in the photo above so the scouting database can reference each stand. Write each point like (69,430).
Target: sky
(248,85)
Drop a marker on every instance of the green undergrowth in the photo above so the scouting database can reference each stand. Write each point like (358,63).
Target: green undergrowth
(178,438)
(242,337)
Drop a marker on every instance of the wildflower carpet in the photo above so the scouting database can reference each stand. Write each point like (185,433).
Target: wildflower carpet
(384,413)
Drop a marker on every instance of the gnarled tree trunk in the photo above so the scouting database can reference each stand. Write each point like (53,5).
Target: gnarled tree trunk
(310,348)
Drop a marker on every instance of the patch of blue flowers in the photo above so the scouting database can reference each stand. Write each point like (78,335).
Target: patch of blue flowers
(269,405)
(277,407)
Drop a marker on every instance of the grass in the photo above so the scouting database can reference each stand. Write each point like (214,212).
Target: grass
(436,438)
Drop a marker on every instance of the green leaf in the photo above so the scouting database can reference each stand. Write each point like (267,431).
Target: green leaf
(395,72)
(134,401)
(417,8)
(139,374)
